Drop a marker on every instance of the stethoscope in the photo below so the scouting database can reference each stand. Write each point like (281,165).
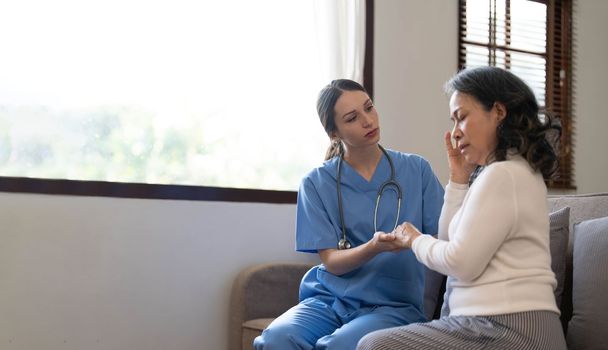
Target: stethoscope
(344,243)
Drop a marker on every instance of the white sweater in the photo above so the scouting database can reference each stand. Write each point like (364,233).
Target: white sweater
(494,243)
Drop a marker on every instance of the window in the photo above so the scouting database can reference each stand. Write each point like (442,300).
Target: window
(533,40)
(212,94)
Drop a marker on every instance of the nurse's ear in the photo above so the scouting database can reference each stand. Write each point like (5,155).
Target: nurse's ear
(335,138)
(336,142)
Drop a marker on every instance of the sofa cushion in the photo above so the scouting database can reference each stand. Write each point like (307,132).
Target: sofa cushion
(587,328)
(558,239)
(253,328)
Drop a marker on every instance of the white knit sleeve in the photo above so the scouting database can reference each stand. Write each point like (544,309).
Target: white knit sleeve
(488,215)
(452,200)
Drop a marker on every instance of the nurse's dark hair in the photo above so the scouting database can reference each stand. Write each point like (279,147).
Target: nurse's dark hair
(521,129)
(326,104)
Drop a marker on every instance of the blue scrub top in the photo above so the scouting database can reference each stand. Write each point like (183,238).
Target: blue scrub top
(388,279)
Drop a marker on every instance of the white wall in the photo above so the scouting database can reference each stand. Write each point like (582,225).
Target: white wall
(103,273)
(591,95)
(415,54)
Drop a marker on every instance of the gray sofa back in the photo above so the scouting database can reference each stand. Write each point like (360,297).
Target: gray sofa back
(582,207)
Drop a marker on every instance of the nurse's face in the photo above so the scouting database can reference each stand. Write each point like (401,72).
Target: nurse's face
(475,127)
(356,120)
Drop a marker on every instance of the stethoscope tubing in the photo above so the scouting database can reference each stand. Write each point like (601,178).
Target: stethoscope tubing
(343,243)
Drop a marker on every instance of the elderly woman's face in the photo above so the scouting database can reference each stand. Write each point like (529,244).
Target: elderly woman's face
(474,128)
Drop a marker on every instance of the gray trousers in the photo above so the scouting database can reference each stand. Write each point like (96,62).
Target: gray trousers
(530,330)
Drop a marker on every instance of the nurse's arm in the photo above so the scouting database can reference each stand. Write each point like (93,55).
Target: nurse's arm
(339,262)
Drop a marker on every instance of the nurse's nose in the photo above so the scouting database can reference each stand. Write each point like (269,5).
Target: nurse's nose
(366,120)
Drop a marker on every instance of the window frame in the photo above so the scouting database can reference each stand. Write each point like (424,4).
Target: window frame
(179,192)
(558,84)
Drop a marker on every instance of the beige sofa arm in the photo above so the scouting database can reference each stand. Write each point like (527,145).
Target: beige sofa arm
(262,291)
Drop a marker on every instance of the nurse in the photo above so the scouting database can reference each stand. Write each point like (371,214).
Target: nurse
(345,207)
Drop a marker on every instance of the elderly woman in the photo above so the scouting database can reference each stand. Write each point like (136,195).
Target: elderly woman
(493,234)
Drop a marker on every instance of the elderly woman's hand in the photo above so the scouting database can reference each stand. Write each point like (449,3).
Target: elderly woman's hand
(460,169)
(406,233)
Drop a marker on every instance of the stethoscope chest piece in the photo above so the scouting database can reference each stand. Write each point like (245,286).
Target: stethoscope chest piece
(343,244)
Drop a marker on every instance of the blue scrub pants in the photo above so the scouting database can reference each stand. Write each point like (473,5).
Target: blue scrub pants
(313,324)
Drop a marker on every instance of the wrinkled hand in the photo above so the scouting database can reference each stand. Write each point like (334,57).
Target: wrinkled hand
(460,169)
(406,233)
(387,242)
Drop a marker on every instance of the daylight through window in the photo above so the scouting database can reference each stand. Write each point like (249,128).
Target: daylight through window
(213,93)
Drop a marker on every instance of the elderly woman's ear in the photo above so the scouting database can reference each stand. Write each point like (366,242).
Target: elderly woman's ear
(501,110)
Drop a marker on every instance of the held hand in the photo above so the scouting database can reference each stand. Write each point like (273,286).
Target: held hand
(460,169)
(406,233)
(341,261)
(386,242)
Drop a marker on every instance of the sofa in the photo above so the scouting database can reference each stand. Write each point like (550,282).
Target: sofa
(579,250)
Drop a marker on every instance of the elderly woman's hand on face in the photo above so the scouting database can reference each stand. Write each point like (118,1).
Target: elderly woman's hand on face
(460,169)
(405,234)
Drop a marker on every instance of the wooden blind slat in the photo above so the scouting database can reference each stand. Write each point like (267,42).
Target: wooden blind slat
(501,33)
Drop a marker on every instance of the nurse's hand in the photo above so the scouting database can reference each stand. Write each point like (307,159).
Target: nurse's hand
(343,261)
